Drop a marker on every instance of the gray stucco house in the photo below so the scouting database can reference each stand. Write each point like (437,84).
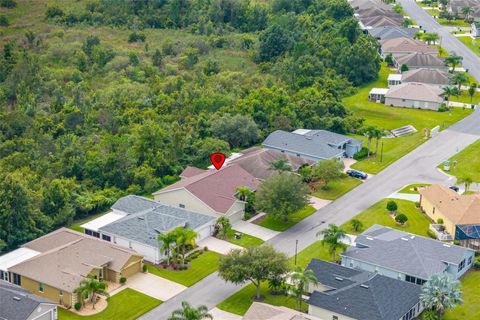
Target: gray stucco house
(19,304)
(346,294)
(313,145)
(405,256)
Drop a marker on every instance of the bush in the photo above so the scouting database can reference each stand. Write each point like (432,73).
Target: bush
(169,179)
(8,3)
(144,268)
(205,249)
(401,218)
(136,37)
(77,306)
(53,12)
(417,204)
(443,108)
(431,234)
(123,280)
(362,154)
(476,265)
(439,221)
(392,206)
(4,21)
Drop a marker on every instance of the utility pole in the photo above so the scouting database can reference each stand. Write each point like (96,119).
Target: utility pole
(296,249)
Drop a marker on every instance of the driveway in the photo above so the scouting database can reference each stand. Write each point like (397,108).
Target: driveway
(318,203)
(154,286)
(217,245)
(223,315)
(254,230)
(405,196)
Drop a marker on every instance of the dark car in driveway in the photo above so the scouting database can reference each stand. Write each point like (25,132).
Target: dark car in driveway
(357,174)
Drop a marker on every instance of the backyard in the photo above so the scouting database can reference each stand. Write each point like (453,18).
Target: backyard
(469,310)
(200,267)
(128,304)
(391,118)
(293,219)
(417,222)
(336,188)
(468,162)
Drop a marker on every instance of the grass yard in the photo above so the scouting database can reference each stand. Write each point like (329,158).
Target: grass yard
(411,188)
(293,219)
(453,23)
(337,188)
(468,162)
(199,269)
(469,310)
(474,45)
(433,12)
(245,241)
(465,98)
(391,118)
(128,304)
(417,222)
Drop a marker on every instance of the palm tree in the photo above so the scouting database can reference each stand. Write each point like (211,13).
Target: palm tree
(441,293)
(188,312)
(369,132)
(467,11)
(184,237)
(280,165)
(467,180)
(301,280)
(223,226)
(357,225)
(431,37)
(377,134)
(460,79)
(453,60)
(449,91)
(90,287)
(168,240)
(243,193)
(332,237)
(472,90)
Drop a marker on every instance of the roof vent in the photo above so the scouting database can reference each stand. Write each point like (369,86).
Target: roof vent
(412,237)
(17,298)
(364,286)
(446,245)
(369,238)
(404,239)
(338,278)
(141,218)
(157,231)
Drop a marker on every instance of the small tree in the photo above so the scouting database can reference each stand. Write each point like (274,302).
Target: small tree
(157,58)
(439,221)
(466,180)
(389,59)
(453,60)
(392,207)
(404,68)
(332,237)
(188,312)
(441,293)
(300,281)
(472,90)
(460,79)
(167,243)
(467,11)
(223,227)
(254,264)
(280,165)
(91,287)
(430,37)
(401,218)
(356,224)
(328,170)
(184,237)
(281,195)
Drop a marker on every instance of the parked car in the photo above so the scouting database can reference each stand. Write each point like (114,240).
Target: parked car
(455,188)
(357,174)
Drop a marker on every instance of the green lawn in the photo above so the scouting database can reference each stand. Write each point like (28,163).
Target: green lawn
(199,269)
(474,45)
(377,214)
(433,12)
(469,310)
(465,98)
(410,188)
(454,23)
(128,304)
(391,118)
(468,162)
(293,219)
(245,241)
(337,188)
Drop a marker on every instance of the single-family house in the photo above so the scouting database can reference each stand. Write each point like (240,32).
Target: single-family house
(375,14)
(65,258)
(459,214)
(392,32)
(455,7)
(211,192)
(377,95)
(314,145)
(403,46)
(433,77)
(394,79)
(405,256)
(263,311)
(475,29)
(19,304)
(349,294)
(414,95)
(139,229)
(417,60)
(258,162)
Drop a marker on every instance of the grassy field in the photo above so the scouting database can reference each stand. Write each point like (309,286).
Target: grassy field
(468,162)
(433,12)
(474,45)
(293,219)
(245,241)
(377,214)
(337,188)
(199,269)
(469,310)
(410,188)
(128,304)
(391,118)
(453,23)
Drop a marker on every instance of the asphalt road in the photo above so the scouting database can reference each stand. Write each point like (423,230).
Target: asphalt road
(448,41)
(419,166)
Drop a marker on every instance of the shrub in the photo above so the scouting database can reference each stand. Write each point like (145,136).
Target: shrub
(205,249)
(431,234)
(417,204)
(440,221)
(53,12)
(392,206)
(443,108)
(401,218)
(77,306)
(362,154)
(476,265)
(169,179)
(136,37)
(123,280)
(144,268)
(8,3)
(4,21)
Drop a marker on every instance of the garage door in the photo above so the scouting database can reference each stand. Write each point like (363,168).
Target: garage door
(133,269)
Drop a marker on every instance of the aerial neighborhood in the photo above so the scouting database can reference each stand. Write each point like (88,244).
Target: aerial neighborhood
(229,160)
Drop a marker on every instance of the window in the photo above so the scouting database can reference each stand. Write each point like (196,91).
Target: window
(17,279)
(106,238)
(89,232)
(60,293)
(95,234)
(410,279)
(470,260)
(334,318)
(40,287)
(130,244)
(461,265)
(181,205)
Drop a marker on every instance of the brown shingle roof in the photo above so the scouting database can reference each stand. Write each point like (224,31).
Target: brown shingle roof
(415,91)
(262,311)
(216,189)
(459,209)
(68,256)
(406,45)
(425,75)
(190,172)
(418,59)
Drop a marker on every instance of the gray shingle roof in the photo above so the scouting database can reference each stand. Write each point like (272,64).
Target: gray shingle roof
(363,295)
(391,32)
(315,144)
(134,204)
(404,252)
(22,306)
(145,226)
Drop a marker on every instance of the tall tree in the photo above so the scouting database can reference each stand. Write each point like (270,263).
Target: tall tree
(453,60)
(441,293)
(371,132)
(467,12)
(281,195)
(332,238)
(223,227)
(274,41)
(254,264)
(472,90)
(431,37)
(188,312)
(460,79)
(238,130)
(300,281)
(450,91)
(168,240)
(328,170)
(184,237)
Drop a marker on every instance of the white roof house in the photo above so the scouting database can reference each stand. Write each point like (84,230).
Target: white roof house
(379,91)
(395,77)
(102,221)
(13,258)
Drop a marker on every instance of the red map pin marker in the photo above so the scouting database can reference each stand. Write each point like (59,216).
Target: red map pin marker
(217,159)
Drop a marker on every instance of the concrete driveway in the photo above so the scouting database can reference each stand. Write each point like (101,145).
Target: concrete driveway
(254,230)
(154,286)
(318,203)
(218,314)
(217,245)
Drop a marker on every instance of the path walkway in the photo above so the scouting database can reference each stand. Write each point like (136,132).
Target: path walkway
(254,230)
(217,245)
